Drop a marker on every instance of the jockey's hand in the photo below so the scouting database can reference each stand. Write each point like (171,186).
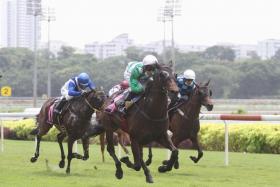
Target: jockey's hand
(83,92)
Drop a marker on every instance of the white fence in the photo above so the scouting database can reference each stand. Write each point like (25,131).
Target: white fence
(29,113)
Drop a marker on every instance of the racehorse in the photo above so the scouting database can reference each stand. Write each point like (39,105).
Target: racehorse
(146,121)
(122,139)
(73,122)
(184,123)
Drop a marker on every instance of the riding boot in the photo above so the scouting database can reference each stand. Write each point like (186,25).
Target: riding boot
(93,130)
(121,103)
(59,106)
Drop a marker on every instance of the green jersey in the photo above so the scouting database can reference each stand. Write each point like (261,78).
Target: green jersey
(136,74)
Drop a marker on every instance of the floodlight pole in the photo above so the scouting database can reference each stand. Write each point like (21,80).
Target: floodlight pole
(172,9)
(34,9)
(50,17)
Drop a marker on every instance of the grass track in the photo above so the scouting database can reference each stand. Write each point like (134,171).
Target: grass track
(258,170)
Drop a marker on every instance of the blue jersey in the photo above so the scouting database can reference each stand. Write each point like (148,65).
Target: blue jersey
(75,90)
(183,88)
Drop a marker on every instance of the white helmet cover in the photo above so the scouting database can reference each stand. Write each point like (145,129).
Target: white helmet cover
(150,60)
(189,74)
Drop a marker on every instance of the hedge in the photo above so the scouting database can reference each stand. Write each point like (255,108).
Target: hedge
(253,138)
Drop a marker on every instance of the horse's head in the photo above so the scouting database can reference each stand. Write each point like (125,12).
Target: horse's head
(96,99)
(205,94)
(164,78)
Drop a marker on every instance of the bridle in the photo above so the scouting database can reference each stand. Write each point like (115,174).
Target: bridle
(92,107)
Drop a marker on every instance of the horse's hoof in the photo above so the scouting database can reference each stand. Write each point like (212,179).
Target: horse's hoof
(194,159)
(165,162)
(68,171)
(85,158)
(163,169)
(61,164)
(148,162)
(149,179)
(124,159)
(77,156)
(176,165)
(119,174)
(33,159)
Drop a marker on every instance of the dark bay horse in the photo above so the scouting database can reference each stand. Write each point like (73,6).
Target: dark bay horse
(184,123)
(146,121)
(74,122)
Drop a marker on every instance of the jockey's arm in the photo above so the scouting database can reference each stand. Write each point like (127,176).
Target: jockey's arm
(135,85)
(91,85)
(72,90)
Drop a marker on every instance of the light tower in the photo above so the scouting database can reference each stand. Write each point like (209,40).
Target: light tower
(172,8)
(34,9)
(49,15)
(163,18)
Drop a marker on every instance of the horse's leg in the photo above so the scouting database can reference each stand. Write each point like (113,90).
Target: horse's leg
(146,170)
(85,147)
(42,129)
(102,145)
(194,139)
(111,150)
(121,140)
(176,141)
(60,138)
(136,155)
(166,142)
(150,155)
(85,142)
(71,141)
(37,152)
(198,148)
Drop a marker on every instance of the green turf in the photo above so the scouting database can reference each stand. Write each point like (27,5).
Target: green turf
(244,169)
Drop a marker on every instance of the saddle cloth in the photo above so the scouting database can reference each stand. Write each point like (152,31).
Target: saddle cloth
(51,114)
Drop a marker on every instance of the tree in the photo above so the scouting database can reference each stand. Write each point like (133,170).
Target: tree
(133,53)
(219,53)
(65,52)
(276,57)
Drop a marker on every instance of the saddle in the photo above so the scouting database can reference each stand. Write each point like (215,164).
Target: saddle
(173,108)
(112,108)
(53,117)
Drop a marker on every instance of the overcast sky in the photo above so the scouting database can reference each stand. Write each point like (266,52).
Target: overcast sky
(204,22)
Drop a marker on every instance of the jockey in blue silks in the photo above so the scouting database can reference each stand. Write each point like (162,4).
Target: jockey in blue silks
(186,84)
(74,87)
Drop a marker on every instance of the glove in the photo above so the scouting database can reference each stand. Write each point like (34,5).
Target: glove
(83,92)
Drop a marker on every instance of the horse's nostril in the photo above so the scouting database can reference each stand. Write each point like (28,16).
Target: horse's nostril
(210,107)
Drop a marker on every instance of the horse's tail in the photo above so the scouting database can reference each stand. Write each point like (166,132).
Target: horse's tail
(36,130)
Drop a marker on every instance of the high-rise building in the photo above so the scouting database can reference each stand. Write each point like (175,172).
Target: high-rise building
(116,47)
(18,28)
(268,48)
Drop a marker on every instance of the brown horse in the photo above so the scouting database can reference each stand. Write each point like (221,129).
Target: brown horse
(184,123)
(122,139)
(74,122)
(147,121)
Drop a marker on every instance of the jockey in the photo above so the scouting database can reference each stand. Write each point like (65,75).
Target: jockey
(186,84)
(74,87)
(119,87)
(140,71)
(130,66)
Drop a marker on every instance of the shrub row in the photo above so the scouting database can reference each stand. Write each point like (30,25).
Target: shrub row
(254,138)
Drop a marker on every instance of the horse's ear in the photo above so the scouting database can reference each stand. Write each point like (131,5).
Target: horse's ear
(170,63)
(208,82)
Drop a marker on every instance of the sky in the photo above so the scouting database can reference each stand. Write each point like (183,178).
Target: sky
(202,22)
